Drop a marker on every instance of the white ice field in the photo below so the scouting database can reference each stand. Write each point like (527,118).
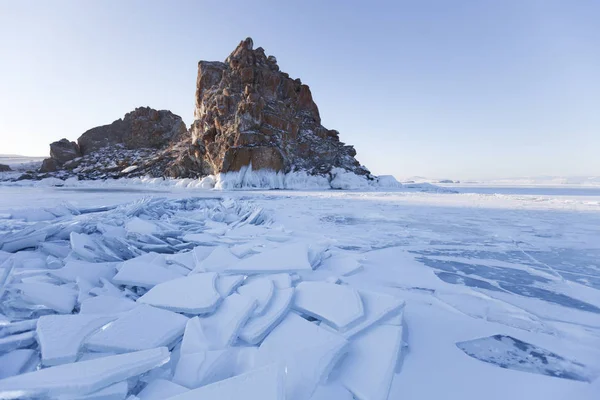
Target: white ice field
(117,291)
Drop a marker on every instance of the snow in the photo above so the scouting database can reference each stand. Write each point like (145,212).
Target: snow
(84,377)
(338,305)
(143,327)
(287,258)
(474,289)
(194,294)
(261,291)
(263,383)
(368,368)
(61,336)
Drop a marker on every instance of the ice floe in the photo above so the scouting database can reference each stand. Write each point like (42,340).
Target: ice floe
(61,336)
(339,305)
(143,327)
(261,291)
(193,294)
(368,368)
(287,258)
(308,352)
(258,327)
(83,377)
(263,383)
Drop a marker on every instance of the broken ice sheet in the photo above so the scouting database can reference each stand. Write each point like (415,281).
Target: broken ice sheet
(143,273)
(263,383)
(338,305)
(58,298)
(194,294)
(160,389)
(221,328)
(143,327)
(258,327)
(83,377)
(287,258)
(61,336)
(261,290)
(368,369)
(18,362)
(308,352)
(511,353)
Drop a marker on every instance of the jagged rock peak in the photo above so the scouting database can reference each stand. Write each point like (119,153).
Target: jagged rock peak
(249,112)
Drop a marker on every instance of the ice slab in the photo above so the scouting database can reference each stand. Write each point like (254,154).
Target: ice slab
(341,265)
(10,328)
(106,305)
(107,289)
(160,389)
(260,290)
(138,225)
(338,305)
(226,284)
(144,327)
(118,391)
(194,339)
(27,238)
(185,259)
(377,306)
(58,298)
(332,391)
(18,362)
(205,367)
(204,238)
(222,327)
(61,336)
(83,377)
(368,368)
(308,352)
(144,274)
(511,353)
(263,383)
(91,272)
(287,258)
(218,260)
(88,249)
(201,252)
(258,327)
(193,294)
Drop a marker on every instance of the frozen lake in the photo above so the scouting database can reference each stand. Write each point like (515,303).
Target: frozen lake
(501,284)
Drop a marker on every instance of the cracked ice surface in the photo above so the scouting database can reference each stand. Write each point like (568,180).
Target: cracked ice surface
(303,295)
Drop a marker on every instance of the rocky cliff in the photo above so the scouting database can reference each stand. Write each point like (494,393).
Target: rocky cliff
(247,113)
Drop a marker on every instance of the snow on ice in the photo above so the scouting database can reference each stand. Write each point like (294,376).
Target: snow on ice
(172,294)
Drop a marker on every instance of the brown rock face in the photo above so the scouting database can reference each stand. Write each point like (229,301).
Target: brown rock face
(248,112)
(63,151)
(142,128)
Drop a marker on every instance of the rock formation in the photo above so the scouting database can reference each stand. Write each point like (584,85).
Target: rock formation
(5,168)
(249,112)
(142,128)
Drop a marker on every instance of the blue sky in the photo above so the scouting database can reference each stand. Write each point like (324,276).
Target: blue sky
(447,89)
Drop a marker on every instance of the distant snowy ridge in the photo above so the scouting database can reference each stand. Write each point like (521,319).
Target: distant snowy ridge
(247,179)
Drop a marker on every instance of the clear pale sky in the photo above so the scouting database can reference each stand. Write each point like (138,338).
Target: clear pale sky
(436,88)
